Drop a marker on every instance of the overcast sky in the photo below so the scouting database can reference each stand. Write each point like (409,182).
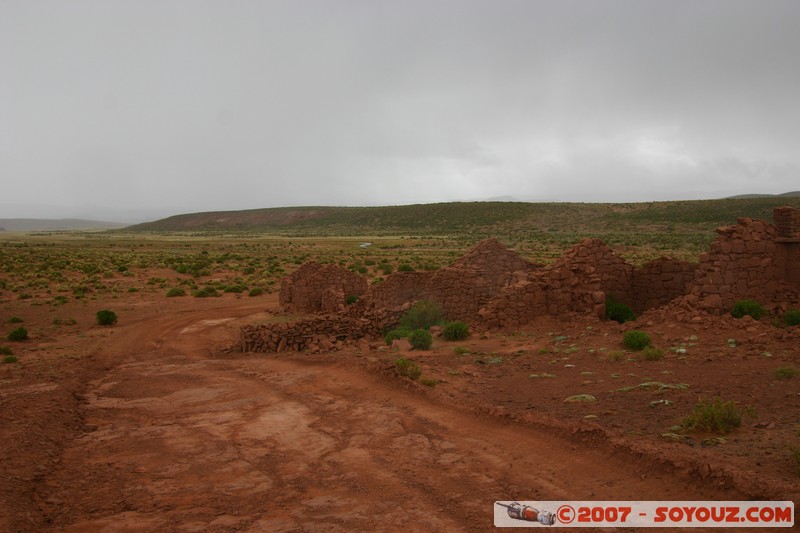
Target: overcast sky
(155,107)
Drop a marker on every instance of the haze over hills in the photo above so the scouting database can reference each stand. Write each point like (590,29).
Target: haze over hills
(483,218)
(61,224)
(786,194)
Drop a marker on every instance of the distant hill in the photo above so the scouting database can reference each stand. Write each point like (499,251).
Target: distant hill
(512,219)
(61,224)
(748,196)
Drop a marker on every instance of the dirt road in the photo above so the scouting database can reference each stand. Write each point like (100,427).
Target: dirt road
(177,436)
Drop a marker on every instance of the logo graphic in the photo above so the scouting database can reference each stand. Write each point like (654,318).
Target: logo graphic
(527,513)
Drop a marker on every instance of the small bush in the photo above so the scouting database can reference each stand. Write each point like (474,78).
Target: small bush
(405,267)
(397,333)
(616,355)
(420,339)
(175,291)
(408,368)
(455,331)
(791,317)
(385,268)
(713,416)
(747,307)
(787,372)
(422,315)
(9,359)
(351,299)
(106,317)
(5,350)
(257,291)
(636,340)
(652,354)
(461,350)
(429,382)
(618,311)
(206,292)
(235,289)
(15,320)
(19,334)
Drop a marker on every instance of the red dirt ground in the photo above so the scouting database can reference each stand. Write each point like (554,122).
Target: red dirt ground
(155,425)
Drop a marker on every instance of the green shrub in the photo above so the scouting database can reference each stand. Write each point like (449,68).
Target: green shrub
(636,340)
(15,320)
(455,331)
(616,355)
(461,350)
(713,416)
(175,291)
(236,289)
(791,317)
(19,334)
(747,307)
(351,299)
(422,315)
(257,291)
(5,350)
(9,359)
(652,354)
(618,311)
(106,317)
(397,333)
(385,268)
(405,267)
(206,292)
(429,382)
(408,368)
(420,339)
(787,372)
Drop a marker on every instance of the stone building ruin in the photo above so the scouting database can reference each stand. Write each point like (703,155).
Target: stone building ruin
(491,287)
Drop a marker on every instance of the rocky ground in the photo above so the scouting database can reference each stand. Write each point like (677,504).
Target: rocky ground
(155,424)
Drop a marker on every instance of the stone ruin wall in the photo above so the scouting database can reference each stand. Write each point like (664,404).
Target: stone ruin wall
(316,288)
(493,287)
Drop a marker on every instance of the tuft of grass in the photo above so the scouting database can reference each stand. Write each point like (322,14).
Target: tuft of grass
(206,292)
(350,299)
(429,382)
(636,340)
(15,320)
(616,310)
(396,333)
(714,415)
(256,291)
(10,359)
(176,291)
(455,331)
(652,354)
(747,307)
(5,350)
(422,315)
(791,317)
(616,355)
(18,334)
(420,339)
(787,372)
(461,350)
(407,368)
(106,317)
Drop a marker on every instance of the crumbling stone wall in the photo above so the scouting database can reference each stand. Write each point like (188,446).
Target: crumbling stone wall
(320,334)
(496,288)
(316,288)
(660,281)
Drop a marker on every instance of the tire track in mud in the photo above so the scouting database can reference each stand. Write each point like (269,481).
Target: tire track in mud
(179,441)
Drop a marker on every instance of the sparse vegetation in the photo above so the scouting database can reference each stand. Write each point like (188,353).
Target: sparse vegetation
(787,372)
(256,291)
(10,359)
(176,291)
(19,334)
(714,415)
(206,292)
(420,339)
(636,340)
(397,333)
(618,311)
(616,355)
(422,315)
(106,317)
(455,331)
(651,354)
(429,382)
(408,368)
(791,317)
(350,299)
(747,308)
(5,350)
(15,320)
(461,350)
